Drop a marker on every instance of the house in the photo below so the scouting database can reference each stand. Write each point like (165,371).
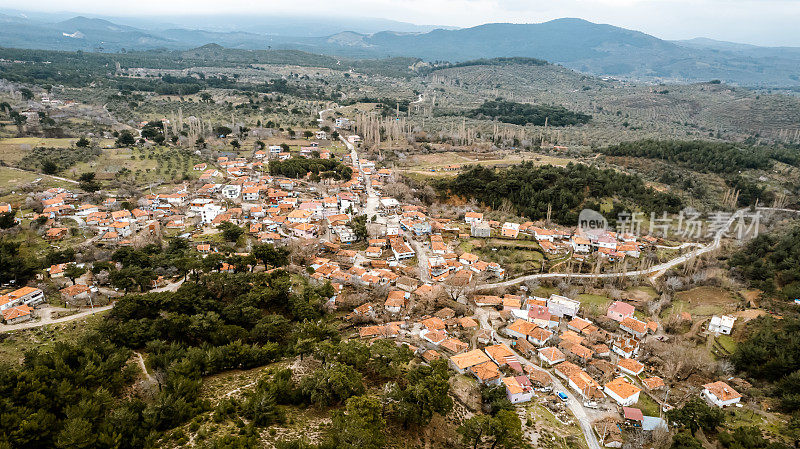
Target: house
(541,316)
(518,389)
(29,296)
(434,337)
(56,233)
(619,310)
(396,301)
(626,347)
(299,216)
(454,345)
(653,383)
(468,259)
(630,366)
(721,394)
(473,217)
(406,283)
(501,354)
(487,373)
(551,355)
(75,294)
(634,327)
(17,314)
(539,336)
(624,393)
(510,230)
(462,362)
(580,244)
(480,229)
(231,192)
(721,324)
(520,329)
(562,306)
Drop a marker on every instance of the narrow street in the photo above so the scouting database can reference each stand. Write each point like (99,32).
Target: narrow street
(575,406)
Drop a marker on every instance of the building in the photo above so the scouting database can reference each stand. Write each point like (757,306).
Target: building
(630,366)
(562,306)
(551,355)
(17,314)
(634,327)
(721,324)
(480,229)
(619,310)
(518,389)
(721,394)
(26,295)
(473,217)
(624,393)
(462,362)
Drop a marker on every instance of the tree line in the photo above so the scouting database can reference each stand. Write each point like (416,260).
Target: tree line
(528,114)
(705,156)
(299,167)
(529,189)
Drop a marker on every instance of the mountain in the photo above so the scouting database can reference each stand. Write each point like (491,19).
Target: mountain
(578,44)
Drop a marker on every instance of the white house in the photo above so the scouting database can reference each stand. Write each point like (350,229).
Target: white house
(518,389)
(26,295)
(721,324)
(721,394)
(231,192)
(622,391)
(473,217)
(209,212)
(562,306)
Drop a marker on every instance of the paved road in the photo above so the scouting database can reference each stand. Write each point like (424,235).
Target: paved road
(575,406)
(655,270)
(47,319)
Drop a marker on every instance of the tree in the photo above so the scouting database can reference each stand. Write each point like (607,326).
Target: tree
(332,384)
(87,182)
(696,414)
(125,139)
(72,272)
(49,167)
(474,429)
(360,425)
(423,392)
(271,256)
(27,94)
(222,131)
(235,144)
(230,231)
(359,225)
(506,428)
(7,220)
(685,440)
(83,142)
(308,134)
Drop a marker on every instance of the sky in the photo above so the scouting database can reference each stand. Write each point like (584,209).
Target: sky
(760,22)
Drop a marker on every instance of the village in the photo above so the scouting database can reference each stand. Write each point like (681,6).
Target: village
(539,348)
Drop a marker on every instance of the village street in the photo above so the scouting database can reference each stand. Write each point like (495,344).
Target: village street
(575,406)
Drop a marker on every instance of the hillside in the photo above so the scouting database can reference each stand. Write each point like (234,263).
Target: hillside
(597,49)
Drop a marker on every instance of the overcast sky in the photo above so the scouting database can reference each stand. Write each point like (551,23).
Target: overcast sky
(763,22)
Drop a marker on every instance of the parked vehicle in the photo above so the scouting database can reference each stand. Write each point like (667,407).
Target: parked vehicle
(563,396)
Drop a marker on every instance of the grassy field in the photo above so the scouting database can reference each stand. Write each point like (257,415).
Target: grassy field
(598,303)
(647,405)
(703,301)
(13,345)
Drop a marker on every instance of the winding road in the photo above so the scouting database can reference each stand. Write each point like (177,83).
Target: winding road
(655,270)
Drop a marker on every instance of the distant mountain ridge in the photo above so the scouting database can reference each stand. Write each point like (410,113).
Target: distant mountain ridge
(578,44)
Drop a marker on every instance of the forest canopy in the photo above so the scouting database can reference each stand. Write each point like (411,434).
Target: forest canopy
(529,189)
(528,114)
(705,156)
